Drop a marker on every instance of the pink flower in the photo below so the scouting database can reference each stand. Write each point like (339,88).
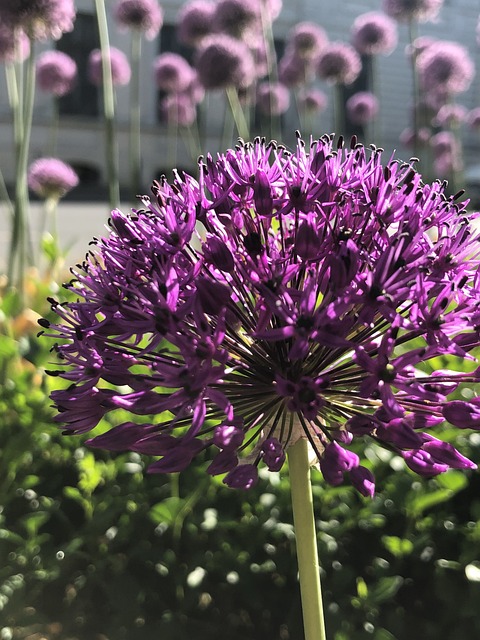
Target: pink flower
(119,64)
(51,178)
(144,15)
(56,72)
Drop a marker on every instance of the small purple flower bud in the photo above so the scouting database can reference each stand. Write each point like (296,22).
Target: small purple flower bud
(213,296)
(222,463)
(307,241)
(217,253)
(245,476)
(363,481)
(423,463)
(361,425)
(273,454)
(464,415)
(262,194)
(445,453)
(179,458)
(399,433)
(119,438)
(228,436)
(336,461)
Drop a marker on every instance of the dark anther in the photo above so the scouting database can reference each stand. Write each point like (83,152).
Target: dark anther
(43,323)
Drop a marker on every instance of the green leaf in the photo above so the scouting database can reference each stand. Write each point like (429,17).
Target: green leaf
(166,511)
(383,634)
(417,505)
(386,588)
(398,547)
(453,480)
(33,521)
(362,588)
(8,347)
(50,247)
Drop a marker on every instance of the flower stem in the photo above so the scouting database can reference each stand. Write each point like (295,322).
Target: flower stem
(135,115)
(306,540)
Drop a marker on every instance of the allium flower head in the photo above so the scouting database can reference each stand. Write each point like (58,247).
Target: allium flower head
(293,70)
(312,100)
(339,64)
(307,40)
(445,66)
(374,33)
(195,22)
(143,15)
(282,295)
(362,107)
(408,10)
(172,72)
(9,49)
(450,115)
(119,64)
(40,19)
(51,178)
(407,137)
(473,118)
(223,61)
(178,109)
(56,72)
(237,18)
(273,98)
(447,157)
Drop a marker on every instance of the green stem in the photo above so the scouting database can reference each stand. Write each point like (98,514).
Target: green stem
(135,115)
(306,541)
(53,133)
(108,107)
(412,34)
(237,112)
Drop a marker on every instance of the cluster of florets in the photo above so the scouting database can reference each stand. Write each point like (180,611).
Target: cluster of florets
(39,19)
(273,98)
(119,67)
(143,15)
(408,10)
(339,63)
(56,72)
(374,33)
(445,67)
(51,178)
(282,295)
(362,107)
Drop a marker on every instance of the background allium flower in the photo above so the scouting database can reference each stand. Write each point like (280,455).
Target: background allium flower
(312,100)
(316,304)
(407,10)
(339,63)
(40,19)
(237,18)
(223,61)
(362,107)
(120,66)
(307,40)
(56,72)
(374,33)
(450,115)
(273,98)
(195,22)
(445,66)
(178,109)
(447,156)
(7,44)
(419,45)
(51,178)
(293,70)
(407,137)
(172,72)
(144,15)
(473,118)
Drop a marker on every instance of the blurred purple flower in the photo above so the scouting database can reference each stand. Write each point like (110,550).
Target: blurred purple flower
(236,18)
(293,70)
(374,33)
(119,64)
(195,22)
(407,137)
(312,100)
(9,49)
(339,63)
(447,157)
(178,109)
(408,10)
(223,61)
(56,72)
(172,72)
(473,118)
(419,45)
(362,107)
(51,178)
(273,98)
(450,115)
(39,19)
(445,66)
(321,293)
(307,40)
(144,15)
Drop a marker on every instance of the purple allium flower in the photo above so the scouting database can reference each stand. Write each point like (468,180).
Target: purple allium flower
(315,303)
(307,40)
(172,72)
(408,10)
(293,70)
(450,115)
(144,15)
(51,178)
(362,107)
(40,19)
(120,66)
(419,45)
(273,98)
(8,48)
(447,157)
(223,61)
(374,33)
(312,100)
(339,64)
(407,137)
(178,109)
(56,72)
(236,18)
(195,22)
(473,118)
(445,66)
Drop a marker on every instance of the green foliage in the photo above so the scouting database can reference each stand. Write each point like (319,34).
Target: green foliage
(91,545)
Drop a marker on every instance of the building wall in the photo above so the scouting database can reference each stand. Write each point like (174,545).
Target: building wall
(80,139)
